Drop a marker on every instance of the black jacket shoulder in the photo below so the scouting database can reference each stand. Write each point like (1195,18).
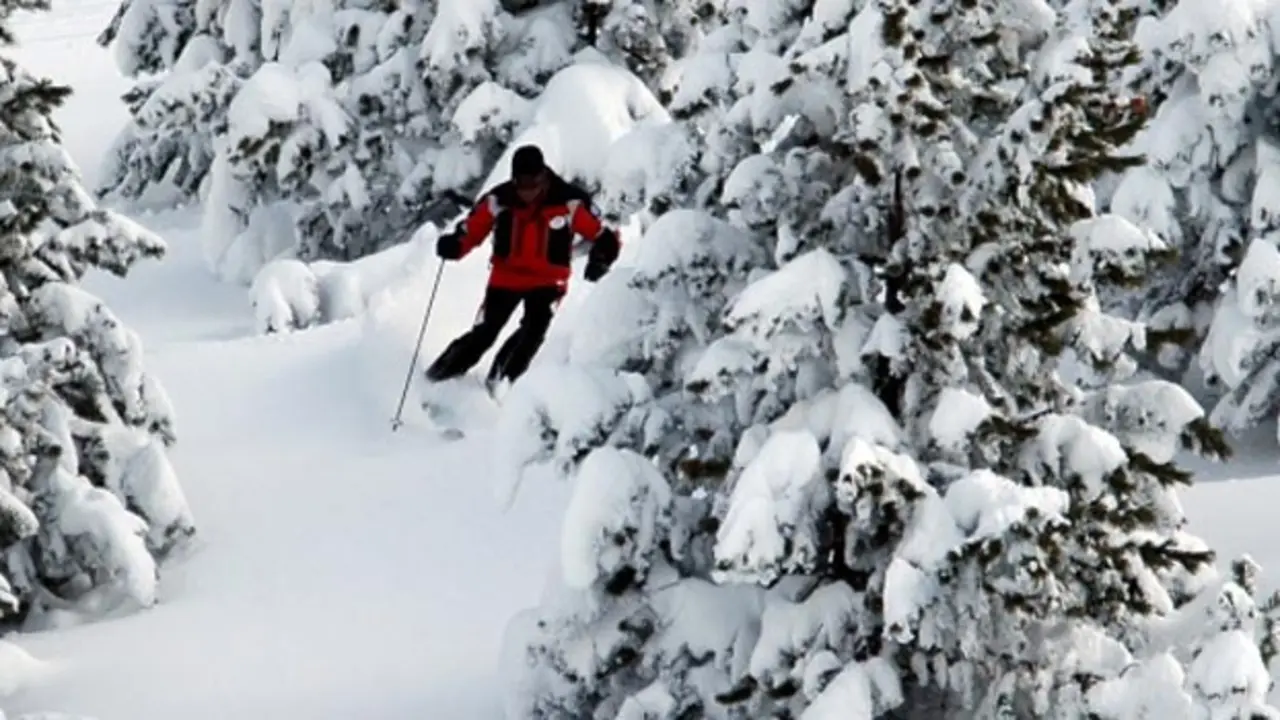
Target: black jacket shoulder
(505,193)
(562,191)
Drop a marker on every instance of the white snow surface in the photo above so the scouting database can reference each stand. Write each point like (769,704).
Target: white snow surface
(340,570)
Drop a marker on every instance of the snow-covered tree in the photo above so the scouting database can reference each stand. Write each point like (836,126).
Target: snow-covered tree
(645,36)
(995,533)
(721,96)
(317,139)
(1210,80)
(637,625)
(482,67)
(486,62)
(353,201)
(188,60)
(89,500)
(657,167)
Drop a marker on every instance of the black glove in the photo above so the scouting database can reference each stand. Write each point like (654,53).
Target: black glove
(603,252)
(594,271)
(449,247)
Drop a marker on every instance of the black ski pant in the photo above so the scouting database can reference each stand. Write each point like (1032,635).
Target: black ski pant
(518,351)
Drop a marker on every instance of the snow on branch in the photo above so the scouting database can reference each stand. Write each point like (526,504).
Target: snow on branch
(864,690)
(494,110)
(620,508)
(67,311)
(1118,251)
(459,29)
(693,250)
(837,416)
(1156,418)
(1069,447)
(557,414)
(769,528)
(794,633)
(107,240)
(957,418)
(795,298)
(961,301)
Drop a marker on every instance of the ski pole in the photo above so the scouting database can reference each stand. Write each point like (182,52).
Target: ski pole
(396,422)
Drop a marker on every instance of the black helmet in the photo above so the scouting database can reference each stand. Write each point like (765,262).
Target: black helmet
(527,161)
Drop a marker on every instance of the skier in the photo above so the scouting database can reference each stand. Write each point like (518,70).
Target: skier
(534,218)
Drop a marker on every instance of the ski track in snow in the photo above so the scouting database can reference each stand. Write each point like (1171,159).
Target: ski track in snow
(341,571)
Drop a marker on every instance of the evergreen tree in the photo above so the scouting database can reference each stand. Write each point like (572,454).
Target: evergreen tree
(645,36)
(483,67)
(1209,79)
(89,501)
(682,163)
(993,533)
(630,629)
(346,186)
(316,140)
(486,63)
(188,60)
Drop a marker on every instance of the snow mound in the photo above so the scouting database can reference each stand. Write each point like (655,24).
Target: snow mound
(289,294)
(584,110)
(18,669)
(285,297)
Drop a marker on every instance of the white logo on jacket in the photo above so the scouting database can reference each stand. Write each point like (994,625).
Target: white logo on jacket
(559,222)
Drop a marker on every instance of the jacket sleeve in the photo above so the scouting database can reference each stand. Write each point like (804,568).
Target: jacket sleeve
(586,223)
(479,222)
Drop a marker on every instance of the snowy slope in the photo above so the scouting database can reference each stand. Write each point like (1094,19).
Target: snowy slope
(342,571)
(1238,517)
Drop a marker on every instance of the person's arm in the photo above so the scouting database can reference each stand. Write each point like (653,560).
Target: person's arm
(479,224)
(605,244)
(472,231)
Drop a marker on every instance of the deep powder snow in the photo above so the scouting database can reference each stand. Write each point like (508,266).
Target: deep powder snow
(341,570)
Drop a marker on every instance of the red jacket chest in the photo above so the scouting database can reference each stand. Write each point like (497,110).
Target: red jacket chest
(540,217)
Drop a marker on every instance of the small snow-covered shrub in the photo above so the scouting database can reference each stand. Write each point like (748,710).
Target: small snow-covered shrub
(341,291)
(289,294)
(285,296)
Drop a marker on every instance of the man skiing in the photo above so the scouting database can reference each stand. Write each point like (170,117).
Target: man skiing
(534,217)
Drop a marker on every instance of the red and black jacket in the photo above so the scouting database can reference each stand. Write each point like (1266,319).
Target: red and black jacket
(533,244)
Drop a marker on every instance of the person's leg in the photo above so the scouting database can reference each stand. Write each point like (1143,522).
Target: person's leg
(463,353)
(519,350)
